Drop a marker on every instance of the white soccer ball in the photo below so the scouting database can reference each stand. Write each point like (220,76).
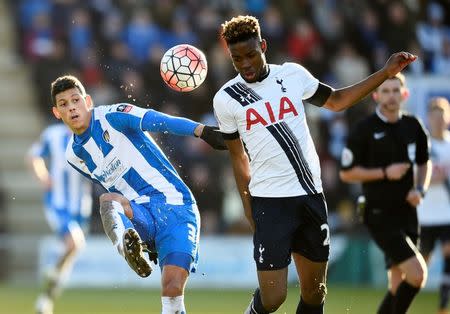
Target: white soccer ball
(183,67)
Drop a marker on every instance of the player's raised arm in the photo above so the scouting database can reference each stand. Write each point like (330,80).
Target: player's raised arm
(155,121)
(343,98)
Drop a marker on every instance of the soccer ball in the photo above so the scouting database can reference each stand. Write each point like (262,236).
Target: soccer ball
(183,68)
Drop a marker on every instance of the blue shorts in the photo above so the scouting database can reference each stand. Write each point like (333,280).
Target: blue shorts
(62,220)
(168,228)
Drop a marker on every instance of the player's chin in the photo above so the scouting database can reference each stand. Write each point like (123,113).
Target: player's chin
(249,78)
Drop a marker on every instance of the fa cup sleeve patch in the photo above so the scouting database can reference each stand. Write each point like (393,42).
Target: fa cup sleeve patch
(346,157)
(124,108)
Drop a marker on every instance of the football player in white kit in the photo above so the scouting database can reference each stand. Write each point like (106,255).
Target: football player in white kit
(67,200)
(148,206)
(434,211)
(279,180)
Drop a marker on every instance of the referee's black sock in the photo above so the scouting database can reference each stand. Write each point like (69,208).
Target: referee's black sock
(304,308)
(404,297)
(387,304)
(445,285)
(256,306)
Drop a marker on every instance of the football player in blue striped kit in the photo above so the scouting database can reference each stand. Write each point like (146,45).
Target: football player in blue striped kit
(67,200)
(263,108)
(148,207)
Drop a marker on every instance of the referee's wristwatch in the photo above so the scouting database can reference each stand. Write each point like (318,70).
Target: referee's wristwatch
(421,190)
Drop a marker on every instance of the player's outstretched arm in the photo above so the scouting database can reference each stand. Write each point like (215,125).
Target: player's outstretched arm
(155,121)
(211,135)
(343,98)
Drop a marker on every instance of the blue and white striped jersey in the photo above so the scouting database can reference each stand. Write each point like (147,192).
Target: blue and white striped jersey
(70,191)
(117,152)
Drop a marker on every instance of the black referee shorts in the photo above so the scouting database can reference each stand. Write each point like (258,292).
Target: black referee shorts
(395,231)
(289,224)
(430,235)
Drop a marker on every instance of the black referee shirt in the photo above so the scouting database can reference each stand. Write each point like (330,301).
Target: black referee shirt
(375,143)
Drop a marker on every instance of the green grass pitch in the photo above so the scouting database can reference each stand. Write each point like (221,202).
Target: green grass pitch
(340,300)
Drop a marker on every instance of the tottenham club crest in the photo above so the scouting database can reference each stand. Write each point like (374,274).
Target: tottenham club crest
(106,137)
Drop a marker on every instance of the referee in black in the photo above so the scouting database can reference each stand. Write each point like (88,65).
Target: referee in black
(388,153)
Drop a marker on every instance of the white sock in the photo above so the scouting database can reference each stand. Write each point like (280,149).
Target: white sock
(113,224)
(173,305)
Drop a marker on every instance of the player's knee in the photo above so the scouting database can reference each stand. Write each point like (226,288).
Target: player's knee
(274,300)
(418,278)
(315,294)
(273,303)
(172,288)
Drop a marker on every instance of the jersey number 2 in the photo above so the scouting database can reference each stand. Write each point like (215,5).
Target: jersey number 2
(327,237)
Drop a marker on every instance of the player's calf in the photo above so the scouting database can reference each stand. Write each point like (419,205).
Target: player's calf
(134,253)
(312,299)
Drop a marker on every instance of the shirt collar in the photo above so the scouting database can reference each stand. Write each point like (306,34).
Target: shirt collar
(383,117)
(83,137)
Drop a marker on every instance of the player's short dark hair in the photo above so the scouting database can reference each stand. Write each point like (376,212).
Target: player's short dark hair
(64,83)
(241,28)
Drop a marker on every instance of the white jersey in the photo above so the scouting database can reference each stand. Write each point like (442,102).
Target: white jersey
(115,152)
(270,118)
(70,191)
(435,207)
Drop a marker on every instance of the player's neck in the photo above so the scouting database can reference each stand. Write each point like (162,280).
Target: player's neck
(85,129)
(438,134)
(389,116)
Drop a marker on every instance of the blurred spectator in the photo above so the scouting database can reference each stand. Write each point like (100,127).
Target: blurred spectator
(431,32)
(302,40)
(441,62)
(348,66)
(80,34)
(140,34)
(398,30)
(38,40)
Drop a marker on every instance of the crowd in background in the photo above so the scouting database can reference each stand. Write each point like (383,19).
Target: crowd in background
(115,47)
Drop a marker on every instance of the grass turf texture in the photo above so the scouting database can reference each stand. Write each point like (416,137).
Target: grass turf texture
(340,300)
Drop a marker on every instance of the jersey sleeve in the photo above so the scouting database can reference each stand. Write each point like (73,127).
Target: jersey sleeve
(225,119)
(306,79)
(314,92)
(155,121)
(41,148)
(423,144)
(125,117)
(354,153)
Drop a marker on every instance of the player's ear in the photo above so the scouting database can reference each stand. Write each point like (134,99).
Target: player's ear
(263,45)
(375,96)
(56,113)
(89,102)
(405,93)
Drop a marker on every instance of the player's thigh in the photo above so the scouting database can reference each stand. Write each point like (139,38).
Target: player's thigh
(276,220)
(428,238)
(398,242)
(177,230)
(415,270)
(312,275)
(312,237)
